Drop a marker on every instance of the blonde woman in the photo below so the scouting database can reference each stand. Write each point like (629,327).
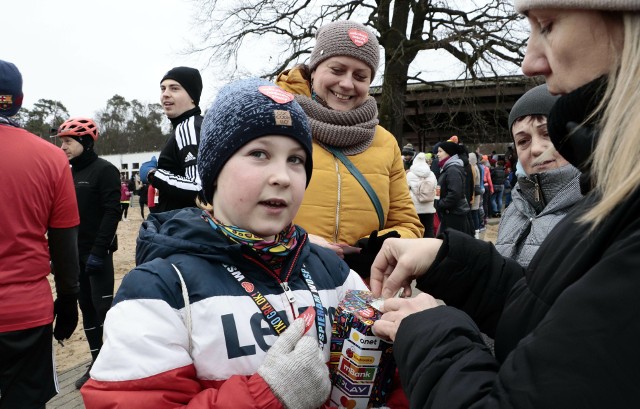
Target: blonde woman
(566,329)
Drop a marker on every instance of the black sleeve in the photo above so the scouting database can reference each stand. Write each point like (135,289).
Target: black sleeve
(63,248)
(110,201)
(471,275)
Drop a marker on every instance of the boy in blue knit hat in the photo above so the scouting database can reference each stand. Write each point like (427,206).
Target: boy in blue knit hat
(210,314)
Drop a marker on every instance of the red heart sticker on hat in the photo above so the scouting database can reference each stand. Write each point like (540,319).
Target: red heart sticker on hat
(276,93)
(358,37)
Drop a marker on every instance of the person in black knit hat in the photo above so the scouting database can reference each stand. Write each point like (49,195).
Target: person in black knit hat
(175,175)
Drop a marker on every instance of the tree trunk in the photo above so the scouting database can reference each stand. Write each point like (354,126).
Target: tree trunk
(394,87)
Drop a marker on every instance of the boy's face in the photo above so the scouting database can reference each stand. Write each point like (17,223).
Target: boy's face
(261,186)
(174,99)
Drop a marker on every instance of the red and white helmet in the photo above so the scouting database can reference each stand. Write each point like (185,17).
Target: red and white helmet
(76,127)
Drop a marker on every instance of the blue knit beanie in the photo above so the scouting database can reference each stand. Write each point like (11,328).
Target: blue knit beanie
(10,89)
(243,111)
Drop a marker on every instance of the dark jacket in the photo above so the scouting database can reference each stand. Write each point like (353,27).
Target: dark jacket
(452,181)
(566,329)
(97,184)
(498,175)
(177,177)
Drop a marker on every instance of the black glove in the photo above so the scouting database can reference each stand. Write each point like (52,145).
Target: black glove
(94,265)
(65,312)
(361,262)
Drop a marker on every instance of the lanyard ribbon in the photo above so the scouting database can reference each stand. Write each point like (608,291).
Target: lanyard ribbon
(271,315)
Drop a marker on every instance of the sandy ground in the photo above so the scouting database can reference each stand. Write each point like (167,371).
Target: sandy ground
(76,349)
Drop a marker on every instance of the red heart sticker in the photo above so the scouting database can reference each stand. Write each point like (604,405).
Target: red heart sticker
(347,403)
(358,37)
(248,287)
(309,317)
(276,93)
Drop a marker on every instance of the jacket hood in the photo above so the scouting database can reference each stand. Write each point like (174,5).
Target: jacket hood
(420,167)
(453,160)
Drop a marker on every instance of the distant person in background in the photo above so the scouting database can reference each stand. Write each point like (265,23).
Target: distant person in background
(453,207)
(39,219)
(408,154)
(422,187)
(175,176)
(142,194)
(125,200)
(97,184)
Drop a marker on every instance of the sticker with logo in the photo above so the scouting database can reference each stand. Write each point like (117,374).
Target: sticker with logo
(364,341)
(282,117)
(358,37)
(309,317)
(356,373)
(277,94)
(340,400)
(352,389)
(248,287)
(361,356)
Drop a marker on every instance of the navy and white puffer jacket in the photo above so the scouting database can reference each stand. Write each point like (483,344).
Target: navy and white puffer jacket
(150,356)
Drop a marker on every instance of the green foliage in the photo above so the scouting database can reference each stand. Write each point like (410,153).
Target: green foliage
(124,127)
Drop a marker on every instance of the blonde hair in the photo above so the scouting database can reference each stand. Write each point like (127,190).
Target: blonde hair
(616,158)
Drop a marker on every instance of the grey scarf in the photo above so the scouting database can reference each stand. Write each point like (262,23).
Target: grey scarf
(351,131)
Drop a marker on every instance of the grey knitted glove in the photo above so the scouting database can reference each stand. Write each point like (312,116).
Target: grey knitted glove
(295,370)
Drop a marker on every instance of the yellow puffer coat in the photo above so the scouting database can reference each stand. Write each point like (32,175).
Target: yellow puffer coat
(335,205)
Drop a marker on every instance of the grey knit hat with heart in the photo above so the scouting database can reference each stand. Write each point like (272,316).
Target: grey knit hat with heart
(608,5)
(346,38)
(243,111)
(536,101)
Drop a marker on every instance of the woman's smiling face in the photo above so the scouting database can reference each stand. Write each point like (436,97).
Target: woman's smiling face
(342,82)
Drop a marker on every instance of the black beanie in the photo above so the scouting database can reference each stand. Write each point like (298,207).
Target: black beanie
(190,80)
(536,101)
(451,148)
(246,110)
(85,140)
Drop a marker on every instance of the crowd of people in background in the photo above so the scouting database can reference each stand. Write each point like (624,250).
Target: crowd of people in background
(286,195)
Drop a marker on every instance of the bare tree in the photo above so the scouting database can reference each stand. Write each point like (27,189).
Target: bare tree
(483,35)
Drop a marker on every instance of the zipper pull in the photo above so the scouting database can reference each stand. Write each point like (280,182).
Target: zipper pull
(288,292)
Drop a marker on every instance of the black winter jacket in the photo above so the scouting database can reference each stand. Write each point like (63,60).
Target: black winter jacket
(566,329)
(97,184)
(177,177)
(452,188)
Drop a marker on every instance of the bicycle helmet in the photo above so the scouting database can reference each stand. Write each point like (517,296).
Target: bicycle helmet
(76,127)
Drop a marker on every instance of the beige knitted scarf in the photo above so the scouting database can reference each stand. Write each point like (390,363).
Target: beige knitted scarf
(351,131)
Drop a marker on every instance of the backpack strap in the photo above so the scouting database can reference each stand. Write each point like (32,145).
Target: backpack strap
(363,182)
(187,307)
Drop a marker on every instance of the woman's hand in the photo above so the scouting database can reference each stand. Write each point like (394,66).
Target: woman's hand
(396,309)
(399,262)
(337,248)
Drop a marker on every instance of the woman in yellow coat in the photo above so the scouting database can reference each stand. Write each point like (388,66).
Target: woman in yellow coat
(333,90)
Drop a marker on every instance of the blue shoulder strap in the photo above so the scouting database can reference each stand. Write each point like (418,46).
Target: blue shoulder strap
(363,181)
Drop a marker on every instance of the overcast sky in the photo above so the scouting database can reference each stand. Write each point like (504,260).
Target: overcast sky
(83,52)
